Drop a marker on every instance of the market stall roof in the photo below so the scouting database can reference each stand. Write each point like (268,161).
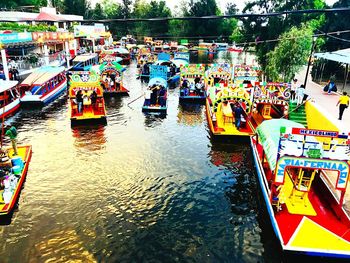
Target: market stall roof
(342,56)
(43,16)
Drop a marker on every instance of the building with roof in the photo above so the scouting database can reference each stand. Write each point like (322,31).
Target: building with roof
(48,15)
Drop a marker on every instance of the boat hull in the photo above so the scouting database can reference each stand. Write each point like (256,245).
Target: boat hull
(288,249)
(10,109)
(193,99)
(88,121)
(26,154)
(43,100)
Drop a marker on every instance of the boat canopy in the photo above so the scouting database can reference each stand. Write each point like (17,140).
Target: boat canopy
(269,136)
(7,84)
(180,62)
(121,50)
(82,58)
(41,75)
(157,81)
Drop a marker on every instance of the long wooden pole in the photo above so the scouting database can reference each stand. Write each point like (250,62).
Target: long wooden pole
(3,119)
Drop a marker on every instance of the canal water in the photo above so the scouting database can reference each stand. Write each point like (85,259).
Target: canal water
(140,189)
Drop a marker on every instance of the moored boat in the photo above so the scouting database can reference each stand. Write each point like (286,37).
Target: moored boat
(303,175)
(43,86)
(192,83)
(157,91)
(86,101)
(84,62)
(13,182)
(9,98)
(111,78)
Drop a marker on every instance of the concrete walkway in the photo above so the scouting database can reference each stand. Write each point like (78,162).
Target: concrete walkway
(327,101)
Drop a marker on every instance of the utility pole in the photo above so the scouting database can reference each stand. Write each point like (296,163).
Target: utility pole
(314,38)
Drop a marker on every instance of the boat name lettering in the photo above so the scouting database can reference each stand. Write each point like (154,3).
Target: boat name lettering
(315,132)
(334,165)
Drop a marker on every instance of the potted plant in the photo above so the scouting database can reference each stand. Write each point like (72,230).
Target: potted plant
(32,59)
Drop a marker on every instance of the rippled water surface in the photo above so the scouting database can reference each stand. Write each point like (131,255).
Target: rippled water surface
(142,188)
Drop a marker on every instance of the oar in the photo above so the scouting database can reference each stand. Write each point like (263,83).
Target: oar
(139,97)
(135,99)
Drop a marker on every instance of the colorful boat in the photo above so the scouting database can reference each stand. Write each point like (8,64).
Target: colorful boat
(14,182)
(44,86)
(111,78)
(92,109)
(270,101)
(303,175)
(157,91)
(221,102)
(157,46)
(9,98)
(191,75)
(246,74)
(84,62)
(122,53)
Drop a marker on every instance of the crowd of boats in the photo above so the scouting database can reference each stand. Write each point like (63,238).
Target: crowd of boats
(302,167)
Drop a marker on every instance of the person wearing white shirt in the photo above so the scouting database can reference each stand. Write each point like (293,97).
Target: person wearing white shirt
(293,88)
(300,94)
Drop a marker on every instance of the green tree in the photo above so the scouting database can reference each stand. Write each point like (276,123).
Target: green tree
(98,12)
(154,9)
(77,7)
(260,29)
(19,3)
(290,54)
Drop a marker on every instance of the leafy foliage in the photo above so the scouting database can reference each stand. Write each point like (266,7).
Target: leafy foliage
(290,54)
(30,28)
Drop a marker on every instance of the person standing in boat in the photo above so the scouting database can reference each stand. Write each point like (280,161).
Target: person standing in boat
(12,133)
(238,115)
(93,99)
(80,100)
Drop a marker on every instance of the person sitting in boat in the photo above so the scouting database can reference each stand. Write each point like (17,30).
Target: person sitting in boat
(154,94)
(93,99)
(192,87)
(199,88)
(118,80)
(161,96)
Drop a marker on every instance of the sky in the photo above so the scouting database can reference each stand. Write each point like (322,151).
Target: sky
(221,3)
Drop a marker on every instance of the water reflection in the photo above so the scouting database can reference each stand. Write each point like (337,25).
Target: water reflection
(91,138)
(153,119)
(141,188)
(190,114)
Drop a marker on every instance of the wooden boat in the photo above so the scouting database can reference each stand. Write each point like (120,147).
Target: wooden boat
(84,62)
(270,101)
(303,175)
(16,181)
(157,46)
(43,86)
(122,53)
(191,75)
(220,108)
(158,89)
(111,72)
(86,82)
(246,74)
(10,94)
